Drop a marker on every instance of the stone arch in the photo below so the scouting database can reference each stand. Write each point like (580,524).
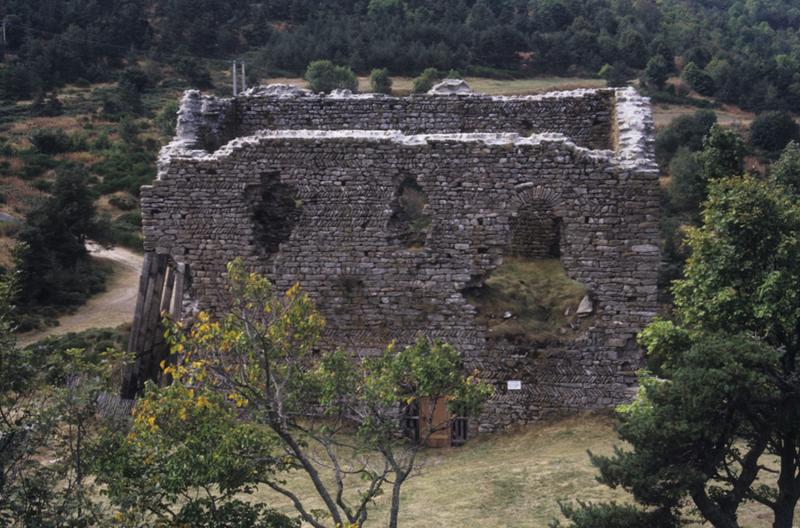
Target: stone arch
(535,224)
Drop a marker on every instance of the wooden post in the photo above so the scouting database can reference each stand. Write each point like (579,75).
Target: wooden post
(180,283)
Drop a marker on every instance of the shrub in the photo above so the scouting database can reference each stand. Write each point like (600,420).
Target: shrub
(614,75)
(50,141)
(426,80)
(656,73)
(698,79)
(772,131)
(380,82)
(687,131)
(324,76)
(166,119)
(688,188)
(787,169)
(194,73)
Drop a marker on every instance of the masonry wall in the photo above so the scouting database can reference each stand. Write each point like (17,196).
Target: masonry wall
(583,115)
(372,290)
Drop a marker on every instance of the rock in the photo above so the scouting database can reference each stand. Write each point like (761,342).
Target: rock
(340,93)
(508,315)
(585,308)
(277,90)
(451,87)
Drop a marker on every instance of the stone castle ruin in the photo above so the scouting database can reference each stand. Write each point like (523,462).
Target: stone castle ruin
(449,215)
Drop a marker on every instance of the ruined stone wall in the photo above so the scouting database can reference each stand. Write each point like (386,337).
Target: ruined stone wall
(206,209)
(583,115)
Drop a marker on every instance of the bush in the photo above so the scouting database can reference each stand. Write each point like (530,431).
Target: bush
(50,141)
(380,82)
(614,75)
(787,169)
(772,131)
(166,119)
(698,79)
(324,76)
(194,73)
(656,73)
(688,188)
(684,131)
(426,80)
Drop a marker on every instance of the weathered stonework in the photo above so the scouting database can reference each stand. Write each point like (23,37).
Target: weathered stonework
(305,193)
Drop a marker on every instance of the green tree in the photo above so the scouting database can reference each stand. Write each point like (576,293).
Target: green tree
(687,187)
(727,397)
(684,131)
(615,75)
(426,80)
(786,170)
(722,155)
(270,367)
(380,82)
(773,130)
(698,79)
(52,261)
(187,461)
(324,76)
(656,73)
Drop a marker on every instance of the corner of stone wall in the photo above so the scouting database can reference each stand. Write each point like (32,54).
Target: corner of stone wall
(633,130)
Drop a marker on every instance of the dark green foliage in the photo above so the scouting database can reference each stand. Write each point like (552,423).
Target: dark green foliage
(124,170)
(426,80)
(773,130)
(50,141)
(380,82)
(614,75)
(324,76)
(195,73)
(656,73)
(722,155)
(742,52)
(166,119)
(698,79)
(688,187)
(127,230)
(52,262)
(614,515)
(684,131)
(786,170)
(725,402)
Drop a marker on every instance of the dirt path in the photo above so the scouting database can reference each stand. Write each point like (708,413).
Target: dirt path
(111,308)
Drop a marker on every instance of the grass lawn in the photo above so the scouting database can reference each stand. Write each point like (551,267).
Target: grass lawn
(402,85)
(508,480)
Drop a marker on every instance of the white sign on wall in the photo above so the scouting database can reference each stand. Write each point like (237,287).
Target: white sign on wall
(514,385)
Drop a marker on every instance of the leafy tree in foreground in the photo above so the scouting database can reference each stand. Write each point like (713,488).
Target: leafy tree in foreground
(261,355)
(717,421)
(48,428)
(187,461)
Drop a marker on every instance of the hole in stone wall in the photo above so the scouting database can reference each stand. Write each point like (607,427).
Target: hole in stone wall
(275,212)
(410,220)
(529,298)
